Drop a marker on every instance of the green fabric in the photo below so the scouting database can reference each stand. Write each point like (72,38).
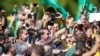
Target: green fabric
(81,4)
(8,23)
(61,26)
(55,4)
(70,51)
(15,27)
(62,11)
(14,10)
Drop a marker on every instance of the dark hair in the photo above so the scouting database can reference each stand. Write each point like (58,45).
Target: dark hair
(20,31)
(51,10)
(35,4)
(31,31)
(6,47)
(94,27)
(51,23)
(29,16)
(1,38)
(8,35)
(41,31)
(80,45)
(81,37)
(11,34)
(38,49)
(24,4)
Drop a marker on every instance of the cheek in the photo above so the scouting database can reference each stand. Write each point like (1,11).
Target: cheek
(23,36)
(45,37)
(67,40)
(73,39)
(99,45)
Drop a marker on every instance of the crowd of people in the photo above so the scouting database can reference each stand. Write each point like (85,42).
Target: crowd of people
(23,34)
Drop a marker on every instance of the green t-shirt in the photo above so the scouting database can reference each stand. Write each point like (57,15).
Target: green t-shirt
(70,51)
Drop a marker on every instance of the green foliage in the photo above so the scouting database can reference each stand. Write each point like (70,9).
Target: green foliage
(69,5)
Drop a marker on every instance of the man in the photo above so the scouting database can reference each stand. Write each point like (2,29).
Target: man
(10,37)
(21,46)
(48,50)
(44,36)
(79,38)
(56,27)
(45,39)
(38,50)
(8,49)
(2,23)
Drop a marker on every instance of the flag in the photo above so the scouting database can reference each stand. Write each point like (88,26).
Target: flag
(85,5)
(15,26)
(55,4)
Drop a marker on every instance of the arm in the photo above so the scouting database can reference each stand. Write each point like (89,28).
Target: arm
(94,48)
(60,32)
(58,51)
(45,19)
(12,20)
(48,41)
(55,36)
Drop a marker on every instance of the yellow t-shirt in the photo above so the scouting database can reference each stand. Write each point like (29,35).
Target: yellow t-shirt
(97,53)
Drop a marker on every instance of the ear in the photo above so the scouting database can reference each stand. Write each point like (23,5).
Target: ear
(19,35)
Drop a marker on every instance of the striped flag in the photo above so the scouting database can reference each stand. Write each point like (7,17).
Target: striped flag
(85,5)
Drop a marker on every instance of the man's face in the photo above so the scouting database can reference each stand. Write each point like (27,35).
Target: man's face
(83,18)
(45,35)
(34,54)
(10,39)
(24,35)
(55,27)
(12,49)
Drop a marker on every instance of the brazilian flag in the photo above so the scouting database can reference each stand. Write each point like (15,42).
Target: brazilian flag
(55,4)
(83,4)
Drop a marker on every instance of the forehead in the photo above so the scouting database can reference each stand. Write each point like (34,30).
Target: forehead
(10,37)
(56,24)
(34,54)
(24,31)
(46,31)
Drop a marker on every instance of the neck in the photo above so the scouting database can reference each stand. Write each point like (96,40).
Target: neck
(20,40)
(78,52)
(9,54)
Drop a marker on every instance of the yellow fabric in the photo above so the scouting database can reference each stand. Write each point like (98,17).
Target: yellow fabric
(97,53)
(56,40)
(58,20)
(94,34)
(69,46)
(8,18)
